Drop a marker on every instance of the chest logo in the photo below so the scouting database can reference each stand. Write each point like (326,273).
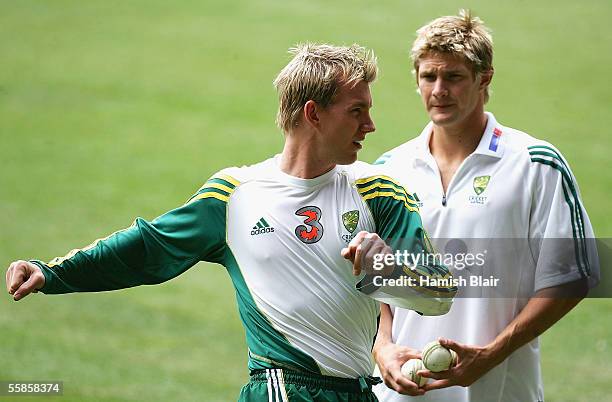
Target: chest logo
(261,227)
(350,220)
(312,230)
(418,201)
(480,184)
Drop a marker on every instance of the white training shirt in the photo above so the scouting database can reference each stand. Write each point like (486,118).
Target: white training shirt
(513,191)
(286,235)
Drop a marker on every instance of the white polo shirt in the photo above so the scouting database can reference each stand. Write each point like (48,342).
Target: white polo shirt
(508,195)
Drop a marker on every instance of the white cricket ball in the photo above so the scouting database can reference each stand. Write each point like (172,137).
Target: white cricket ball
(410,369)
(437,358)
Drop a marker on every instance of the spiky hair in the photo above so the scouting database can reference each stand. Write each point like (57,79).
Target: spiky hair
(316,72)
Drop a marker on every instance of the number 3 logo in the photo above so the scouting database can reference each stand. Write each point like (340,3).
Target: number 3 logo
(314,231)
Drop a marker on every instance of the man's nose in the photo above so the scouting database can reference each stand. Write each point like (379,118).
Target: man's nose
(440,90)
(368,126)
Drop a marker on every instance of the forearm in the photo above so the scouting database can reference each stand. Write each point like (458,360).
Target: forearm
(541,312)
(384,335)
(390,357)
(112,263)
(141,254)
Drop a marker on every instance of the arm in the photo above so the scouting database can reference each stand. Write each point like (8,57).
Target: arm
(144,253)
(400,231)
(541,312)
(390,357)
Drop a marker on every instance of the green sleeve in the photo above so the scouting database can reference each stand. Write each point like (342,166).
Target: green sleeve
(146,252)
(398,221)
(395,213)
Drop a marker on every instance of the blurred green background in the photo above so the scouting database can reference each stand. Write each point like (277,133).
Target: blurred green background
(115,109)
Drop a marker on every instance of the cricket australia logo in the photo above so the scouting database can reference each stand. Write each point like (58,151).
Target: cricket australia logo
(350,220)
(480,185)
(312,230)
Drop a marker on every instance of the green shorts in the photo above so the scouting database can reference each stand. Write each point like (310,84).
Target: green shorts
(281,385)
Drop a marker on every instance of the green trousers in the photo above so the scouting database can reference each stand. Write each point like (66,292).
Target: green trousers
(281,385)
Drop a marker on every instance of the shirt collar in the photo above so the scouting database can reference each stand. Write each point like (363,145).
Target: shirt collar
(491,143)
(422,143)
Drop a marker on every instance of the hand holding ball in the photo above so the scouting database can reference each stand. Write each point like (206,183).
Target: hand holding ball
(410,369)
(437,358)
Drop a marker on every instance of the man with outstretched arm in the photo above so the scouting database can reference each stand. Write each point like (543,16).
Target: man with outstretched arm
(278,227)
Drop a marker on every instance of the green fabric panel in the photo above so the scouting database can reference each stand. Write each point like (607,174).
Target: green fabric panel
(380,181)
(220,181)
(257,391)
(145,253)
(401,228)
(399,190)
(212,190)
(267,347)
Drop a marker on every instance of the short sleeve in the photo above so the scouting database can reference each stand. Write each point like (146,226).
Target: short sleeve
(560,232)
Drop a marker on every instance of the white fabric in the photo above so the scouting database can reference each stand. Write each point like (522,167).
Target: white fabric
(523,200)
(307,291)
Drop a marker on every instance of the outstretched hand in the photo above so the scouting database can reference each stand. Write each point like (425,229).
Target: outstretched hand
(23,278)
(473,363)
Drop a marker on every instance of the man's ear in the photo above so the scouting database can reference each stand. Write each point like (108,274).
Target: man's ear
(486,78)
(311,113)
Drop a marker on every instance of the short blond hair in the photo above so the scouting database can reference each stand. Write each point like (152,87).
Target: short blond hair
(463,35)
(316,72)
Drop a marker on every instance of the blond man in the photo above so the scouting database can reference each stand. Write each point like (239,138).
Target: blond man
(279,228)
(484,185)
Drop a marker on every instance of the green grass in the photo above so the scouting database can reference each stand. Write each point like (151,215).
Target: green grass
(111,110)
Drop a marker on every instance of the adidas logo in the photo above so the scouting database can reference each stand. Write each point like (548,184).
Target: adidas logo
(261,227)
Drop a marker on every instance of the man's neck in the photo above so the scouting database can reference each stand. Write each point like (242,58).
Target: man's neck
(455,143)
(301,157)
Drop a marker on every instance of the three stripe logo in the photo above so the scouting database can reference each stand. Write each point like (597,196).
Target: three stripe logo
(261,227)
(276,386)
